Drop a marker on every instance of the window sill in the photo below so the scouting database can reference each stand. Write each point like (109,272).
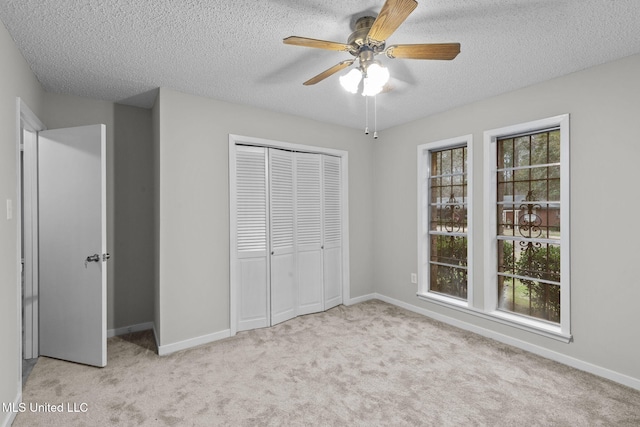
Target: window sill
(513,320)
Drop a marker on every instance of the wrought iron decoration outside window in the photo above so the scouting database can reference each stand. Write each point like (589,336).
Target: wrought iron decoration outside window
(529,223)
(452,221)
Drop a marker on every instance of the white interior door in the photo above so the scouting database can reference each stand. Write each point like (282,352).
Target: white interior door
(252,267)
(308,181)
(332,213)
(73,244)
(282,216)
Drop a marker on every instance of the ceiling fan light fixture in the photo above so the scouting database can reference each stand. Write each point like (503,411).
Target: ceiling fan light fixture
(377,74)
(351,81)
(377,77)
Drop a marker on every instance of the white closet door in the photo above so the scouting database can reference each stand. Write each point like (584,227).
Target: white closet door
(282,212)
(332,230)
(252,220)
(309,232)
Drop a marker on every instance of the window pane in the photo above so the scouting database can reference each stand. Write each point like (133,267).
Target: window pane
(505,191)
(554,146)
(449,281)
(505,176)
(446,162)
(505,153)
(539,173)
(448,214)
(506,257)
(447,217)
(457,192)
(521,190)
(458,160)
(521,151)
(436,164)
(449,250)
(538,261)
(554,172)
(533,299)
(521,175)
(529,210)
(539,149)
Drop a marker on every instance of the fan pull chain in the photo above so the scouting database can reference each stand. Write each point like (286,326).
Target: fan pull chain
(366,115)
(375,117)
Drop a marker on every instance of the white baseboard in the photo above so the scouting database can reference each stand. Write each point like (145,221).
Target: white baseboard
(540,351)
(163,350)
(10,416)
(360,299)
(129,329)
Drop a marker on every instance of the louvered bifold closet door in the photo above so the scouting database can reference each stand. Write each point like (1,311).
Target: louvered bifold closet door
(332,230)
(251,223)
(283,257)
(309,232)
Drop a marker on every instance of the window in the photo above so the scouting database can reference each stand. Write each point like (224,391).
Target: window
(445,206)
(526,224)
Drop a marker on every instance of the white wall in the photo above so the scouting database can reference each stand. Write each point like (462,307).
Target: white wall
(193,266)
(605,148)
(16,80)
(129,199)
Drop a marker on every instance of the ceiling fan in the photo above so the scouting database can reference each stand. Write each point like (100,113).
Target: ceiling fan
(369,40)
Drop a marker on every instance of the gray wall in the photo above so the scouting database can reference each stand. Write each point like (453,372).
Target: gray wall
(193,267)
(133,245)
(130,237)
(604,125)
(16,80)
(155,127)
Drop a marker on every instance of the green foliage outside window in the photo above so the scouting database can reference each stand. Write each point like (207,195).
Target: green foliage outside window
(537,263)
(450,280)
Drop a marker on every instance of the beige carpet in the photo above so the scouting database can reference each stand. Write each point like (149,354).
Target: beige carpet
(368,364)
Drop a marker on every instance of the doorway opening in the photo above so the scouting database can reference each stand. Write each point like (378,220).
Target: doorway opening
(28,127)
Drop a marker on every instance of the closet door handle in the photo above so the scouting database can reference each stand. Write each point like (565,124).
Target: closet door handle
(273,252)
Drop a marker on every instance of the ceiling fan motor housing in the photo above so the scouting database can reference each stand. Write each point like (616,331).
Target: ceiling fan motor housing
(358,39)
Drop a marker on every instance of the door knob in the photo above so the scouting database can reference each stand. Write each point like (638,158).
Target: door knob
(93,258)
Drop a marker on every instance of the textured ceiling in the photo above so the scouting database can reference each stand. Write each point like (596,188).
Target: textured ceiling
(232,50)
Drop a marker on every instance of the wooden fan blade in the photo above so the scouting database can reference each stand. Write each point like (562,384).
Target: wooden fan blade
(323,75)
(392,14)
(424,51)
(318,44)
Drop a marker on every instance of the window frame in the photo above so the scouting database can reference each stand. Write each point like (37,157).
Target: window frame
(424,172)
(562,330)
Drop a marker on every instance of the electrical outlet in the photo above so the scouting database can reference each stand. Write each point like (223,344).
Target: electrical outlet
(414,278)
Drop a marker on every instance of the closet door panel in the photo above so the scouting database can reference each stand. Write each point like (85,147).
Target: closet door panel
(332,230)
(310,284)
(332,277)
(252,269)
(282,216)
(309,232)
(253,294)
